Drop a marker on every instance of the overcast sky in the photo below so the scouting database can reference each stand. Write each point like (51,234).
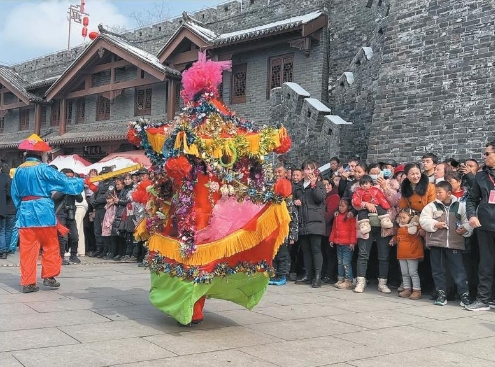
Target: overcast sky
(33,28)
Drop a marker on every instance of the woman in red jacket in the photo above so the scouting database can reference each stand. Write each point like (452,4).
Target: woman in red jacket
(343,235)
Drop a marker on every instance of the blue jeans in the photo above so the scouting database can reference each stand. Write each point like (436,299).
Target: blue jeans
(344,257)
(438,257)
(6,226)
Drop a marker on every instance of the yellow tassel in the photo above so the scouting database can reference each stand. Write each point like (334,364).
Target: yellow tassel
(140,232)
(276,217)
(178,140)
(156,141)
(254,143)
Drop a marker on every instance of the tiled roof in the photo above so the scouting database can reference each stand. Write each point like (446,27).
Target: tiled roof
(267,29)
(42,83)
(17,83)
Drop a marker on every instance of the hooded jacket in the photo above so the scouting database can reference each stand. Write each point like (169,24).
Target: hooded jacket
(417,199)
(453,215)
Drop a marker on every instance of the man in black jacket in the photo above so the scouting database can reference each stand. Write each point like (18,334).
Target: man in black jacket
(65,210)
(7,211)
(480,209)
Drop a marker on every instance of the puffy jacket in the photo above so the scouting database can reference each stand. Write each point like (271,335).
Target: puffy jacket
(121,205)
(374,195)
(343,230)
(331,206)
(450,214)
(477,200)
(312,211)
(409,246)
(417,199)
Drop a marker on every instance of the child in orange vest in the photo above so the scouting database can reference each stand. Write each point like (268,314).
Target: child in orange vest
(409,252)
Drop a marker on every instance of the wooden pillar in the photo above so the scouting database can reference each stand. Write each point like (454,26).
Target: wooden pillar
(171,97)
(62,127)
(37,119)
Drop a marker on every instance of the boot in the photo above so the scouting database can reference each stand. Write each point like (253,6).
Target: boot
(339,282)
(360,285)
(304,280)
(51,282)
(347,284)
(416,294)
(385,221)
(317,280)
(405,293)
(364,226)
(382,286)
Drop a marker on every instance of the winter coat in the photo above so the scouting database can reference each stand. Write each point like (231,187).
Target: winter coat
(331,207)
(312,209)
(423,193)
(121,205)
(107,224)
(450,214)
(7,206)
(477,200)
(409,246)
(343,230)
(99,198)
(294,222)
(374,196)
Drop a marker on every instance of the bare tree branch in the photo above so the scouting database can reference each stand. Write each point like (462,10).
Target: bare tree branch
(155,14)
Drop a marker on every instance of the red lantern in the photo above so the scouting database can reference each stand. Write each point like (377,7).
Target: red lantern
(84,32)
(93,35)
(85,21)
(178,168)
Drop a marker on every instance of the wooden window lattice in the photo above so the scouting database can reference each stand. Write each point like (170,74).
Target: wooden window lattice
(69,112)
(281,71)
(2,124)
(102,108)
(55,115)
(238,85)
(24,119)
(81,111)
(143,101)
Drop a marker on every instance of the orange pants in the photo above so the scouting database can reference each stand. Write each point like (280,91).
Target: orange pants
(31,239)
(198,309)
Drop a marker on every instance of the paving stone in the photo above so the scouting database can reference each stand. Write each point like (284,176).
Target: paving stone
(102,353)
(51,319)
(293,312)
(305,328)
(200,341)
(32,339)
(425,358)
(478,348)
(400,338)
(469,327)
(15,310)
(131,312)
(76,304)
(243,317)
(8,360)
(226,358)
(44,294)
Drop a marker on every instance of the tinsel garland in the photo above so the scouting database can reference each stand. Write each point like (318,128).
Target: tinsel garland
(158,264)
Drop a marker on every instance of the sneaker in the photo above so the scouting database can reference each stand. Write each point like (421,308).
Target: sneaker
(491,303)
(51,282)
(441,299)
(465,300)
(117,258)
(65,262)
(272,281)
(30,288)
(293,277)
(74,259)
(280,281)
(478,306)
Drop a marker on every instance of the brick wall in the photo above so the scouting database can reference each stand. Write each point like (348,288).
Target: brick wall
(435,86)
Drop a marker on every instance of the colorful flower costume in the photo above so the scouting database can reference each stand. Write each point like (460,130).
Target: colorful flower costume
(214,221)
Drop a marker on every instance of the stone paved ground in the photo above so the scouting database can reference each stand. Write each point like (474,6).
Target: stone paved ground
(101,317)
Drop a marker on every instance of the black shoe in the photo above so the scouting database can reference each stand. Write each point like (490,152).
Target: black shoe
(108,256)
(3,256)
(441,299)
(65,262)
(316,282)
(465,300)
(292,277)
(117,258)
(304,280)
(478,306)
(491,303)
(141,265)
(328,280)
(197,322)
(30,288)
(51,282)
(74,259)
(100,255)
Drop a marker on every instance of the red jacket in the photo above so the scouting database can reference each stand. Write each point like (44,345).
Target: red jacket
(374,195)
(343,230)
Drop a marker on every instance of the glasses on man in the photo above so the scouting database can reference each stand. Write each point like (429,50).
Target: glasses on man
(486,154)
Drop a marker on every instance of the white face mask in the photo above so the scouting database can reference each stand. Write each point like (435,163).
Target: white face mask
(374,177)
